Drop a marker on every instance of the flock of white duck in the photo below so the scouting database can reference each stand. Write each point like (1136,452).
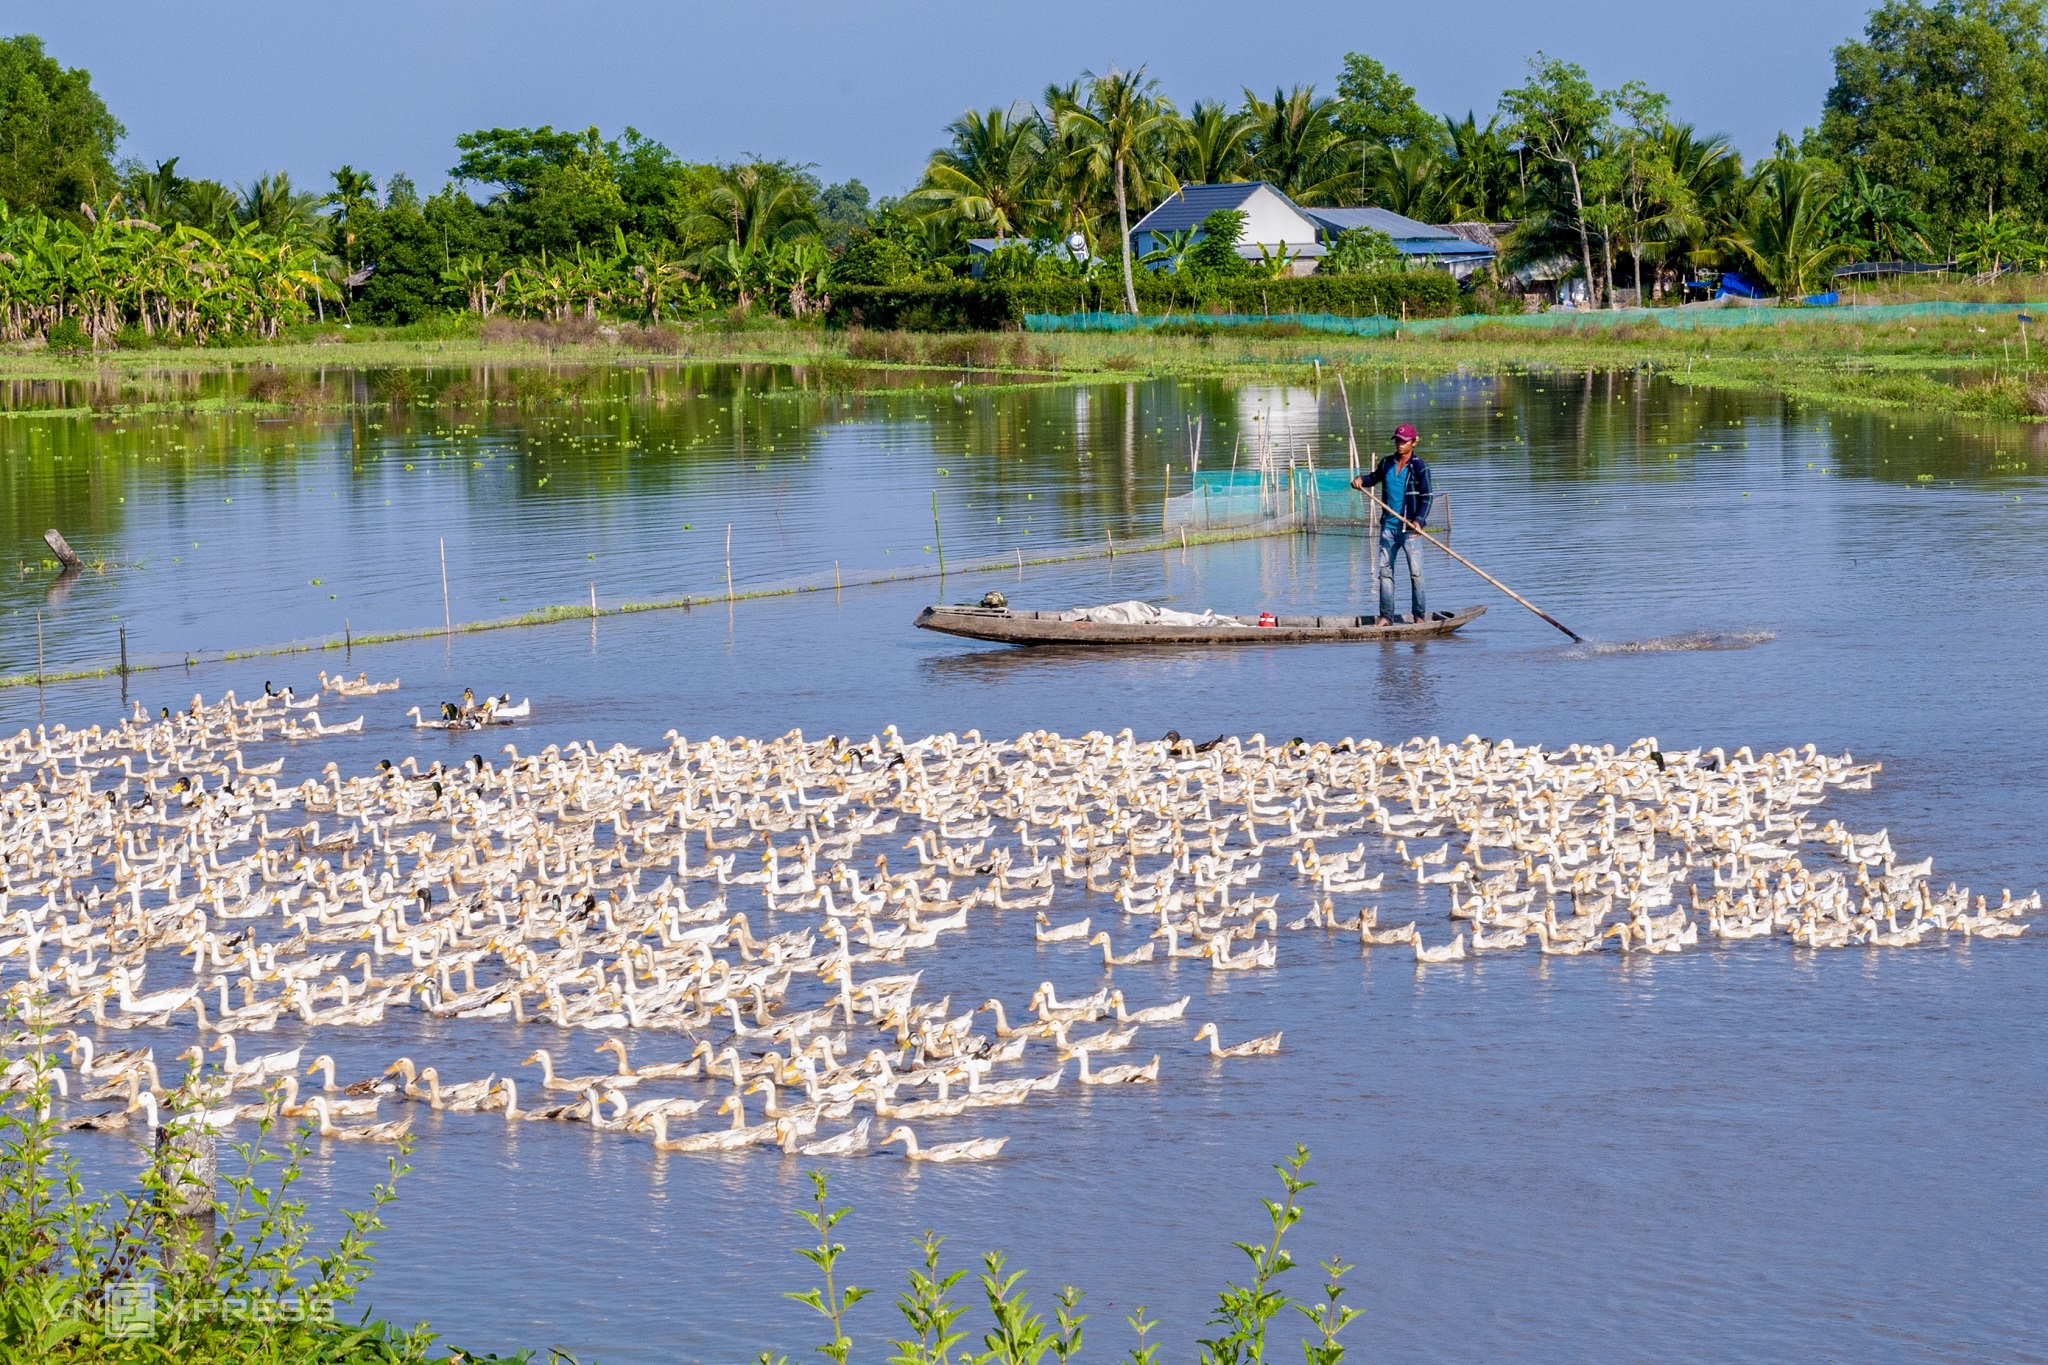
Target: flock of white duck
(597,892)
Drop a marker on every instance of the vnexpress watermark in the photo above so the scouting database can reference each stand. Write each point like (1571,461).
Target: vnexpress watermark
(133,1311)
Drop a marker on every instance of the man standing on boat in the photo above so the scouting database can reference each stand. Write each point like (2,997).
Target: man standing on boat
(1404,479)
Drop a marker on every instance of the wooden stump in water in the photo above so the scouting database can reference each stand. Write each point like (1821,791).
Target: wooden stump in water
(66,556)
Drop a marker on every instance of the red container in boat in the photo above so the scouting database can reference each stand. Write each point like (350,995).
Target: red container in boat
(1266,618)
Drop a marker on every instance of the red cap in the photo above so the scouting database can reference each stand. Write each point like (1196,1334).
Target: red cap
(1404,432)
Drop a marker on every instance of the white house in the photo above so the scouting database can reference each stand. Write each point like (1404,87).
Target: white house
(1271,221)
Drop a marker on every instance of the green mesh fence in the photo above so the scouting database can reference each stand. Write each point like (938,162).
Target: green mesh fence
(1762,315)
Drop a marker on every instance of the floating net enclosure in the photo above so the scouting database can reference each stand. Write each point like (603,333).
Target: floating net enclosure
(1267,488)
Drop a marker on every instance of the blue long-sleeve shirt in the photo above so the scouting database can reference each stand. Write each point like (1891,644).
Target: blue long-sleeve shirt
(1416,496)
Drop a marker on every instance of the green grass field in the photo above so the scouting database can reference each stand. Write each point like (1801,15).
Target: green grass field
(1978,365)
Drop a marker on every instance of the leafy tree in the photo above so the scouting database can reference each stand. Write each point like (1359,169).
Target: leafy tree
(842,208)
(1123,127)
(1214,253)
(56,137)
(1360,250)
(1646,181)
(571,205)
(514,158)
(414,244)
(756,203)
(1375,106)
(207,205)
(872,258)
(1948,101)
(1560,118)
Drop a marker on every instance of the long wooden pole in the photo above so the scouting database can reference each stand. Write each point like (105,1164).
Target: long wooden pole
(1385,511)
(1350,434)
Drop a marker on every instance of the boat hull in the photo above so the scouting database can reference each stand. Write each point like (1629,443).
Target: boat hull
(1001,625)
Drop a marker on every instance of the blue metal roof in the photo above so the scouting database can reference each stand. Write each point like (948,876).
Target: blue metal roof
(1393,224)
(1196,202)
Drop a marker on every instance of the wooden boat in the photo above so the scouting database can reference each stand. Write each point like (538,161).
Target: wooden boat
(1007,626)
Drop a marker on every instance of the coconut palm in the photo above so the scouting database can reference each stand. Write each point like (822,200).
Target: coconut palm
(1212,145)
(1124,127)
(754,205)
(1297,147)
(209,206)
(1708,199)
(985,175)
(1786,237)
(1409,180)
(282,212)
(1477,177)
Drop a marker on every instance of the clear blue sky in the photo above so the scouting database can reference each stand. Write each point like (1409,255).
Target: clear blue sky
(239,87)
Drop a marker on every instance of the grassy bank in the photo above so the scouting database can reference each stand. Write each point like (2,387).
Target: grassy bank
(1978,365)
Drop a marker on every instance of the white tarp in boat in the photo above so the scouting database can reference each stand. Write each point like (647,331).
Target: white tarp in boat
(1145,614)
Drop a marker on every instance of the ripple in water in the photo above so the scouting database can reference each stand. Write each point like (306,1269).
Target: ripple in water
(1688,640)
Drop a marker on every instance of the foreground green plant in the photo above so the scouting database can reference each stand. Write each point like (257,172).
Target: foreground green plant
(1245,1310)
(1018,1335)
(124,1277)
(828,1302)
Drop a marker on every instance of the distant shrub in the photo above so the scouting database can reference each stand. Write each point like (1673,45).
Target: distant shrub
(66,335)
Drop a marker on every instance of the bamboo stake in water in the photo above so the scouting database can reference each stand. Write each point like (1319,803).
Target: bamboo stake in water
(447,617)
(937,538)
(728,561)
(593,599)
(39,649)
(124,651)
(1384,511)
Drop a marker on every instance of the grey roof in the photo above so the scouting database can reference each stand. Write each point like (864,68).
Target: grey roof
(1382,220)
(1195,202)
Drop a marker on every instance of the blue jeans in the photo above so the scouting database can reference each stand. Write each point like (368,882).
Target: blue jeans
(1398,539)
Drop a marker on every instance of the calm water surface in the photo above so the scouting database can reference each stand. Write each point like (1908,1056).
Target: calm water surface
(1741,1152)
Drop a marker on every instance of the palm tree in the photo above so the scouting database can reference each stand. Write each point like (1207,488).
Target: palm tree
(1296,145)
(1478,174)
(1212,145)
(1708,199)
(986,174)
(1408,180)
(1786,238)
(155,193)
(755,205)
(353,192)
(282,212)
(209,206)
(1123,126)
